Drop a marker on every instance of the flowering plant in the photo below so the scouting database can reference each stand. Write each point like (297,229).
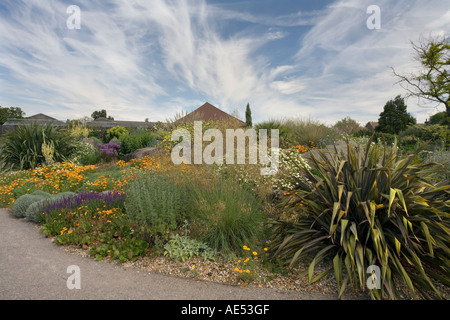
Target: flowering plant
(109,149)
(91,200)
(248,267)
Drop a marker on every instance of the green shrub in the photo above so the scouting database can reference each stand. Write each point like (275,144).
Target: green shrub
(362,133)
(92,158)
(371,207)
(284,132)
(439,135)
(155,206)
(226,216)
(132,142)
(116,132)
(99,135)
(21,204)
(85,154)
(21,149)
(376,137)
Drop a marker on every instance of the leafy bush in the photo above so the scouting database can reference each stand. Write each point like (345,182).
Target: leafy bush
(371,207)
(375,137)
(85,154)
(132,142)
(21,149)
(116,132)
(155,207)
(225,215)
(284,132)
(21,205)
(439,135)
(99,134)
(184,248)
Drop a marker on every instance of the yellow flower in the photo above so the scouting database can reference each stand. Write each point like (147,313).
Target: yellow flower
(255,253)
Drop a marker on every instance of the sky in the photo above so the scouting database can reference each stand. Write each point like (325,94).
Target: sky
(138,59)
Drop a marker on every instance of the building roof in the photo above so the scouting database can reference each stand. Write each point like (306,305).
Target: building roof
(371,125)
(109,123)
(208,112)
(39,118)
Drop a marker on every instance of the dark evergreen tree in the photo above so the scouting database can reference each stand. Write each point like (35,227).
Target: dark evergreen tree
(248,116)
(394,117)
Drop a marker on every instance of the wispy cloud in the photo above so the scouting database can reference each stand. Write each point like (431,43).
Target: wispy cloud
(96,66)
(347,67)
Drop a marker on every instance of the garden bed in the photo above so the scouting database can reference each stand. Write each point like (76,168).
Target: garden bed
(131,212)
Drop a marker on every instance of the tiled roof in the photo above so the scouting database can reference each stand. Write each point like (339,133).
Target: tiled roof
(208,112)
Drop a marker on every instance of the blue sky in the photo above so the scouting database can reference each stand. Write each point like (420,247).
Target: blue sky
(152,58)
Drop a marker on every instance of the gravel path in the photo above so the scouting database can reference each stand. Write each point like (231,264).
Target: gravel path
(34,268)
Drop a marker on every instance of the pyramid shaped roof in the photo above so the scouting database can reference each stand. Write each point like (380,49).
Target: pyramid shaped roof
(208,112)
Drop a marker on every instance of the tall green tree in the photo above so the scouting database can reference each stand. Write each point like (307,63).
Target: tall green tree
(248,116)
(432,82)
(100,114)
(10,113)
(394,117)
